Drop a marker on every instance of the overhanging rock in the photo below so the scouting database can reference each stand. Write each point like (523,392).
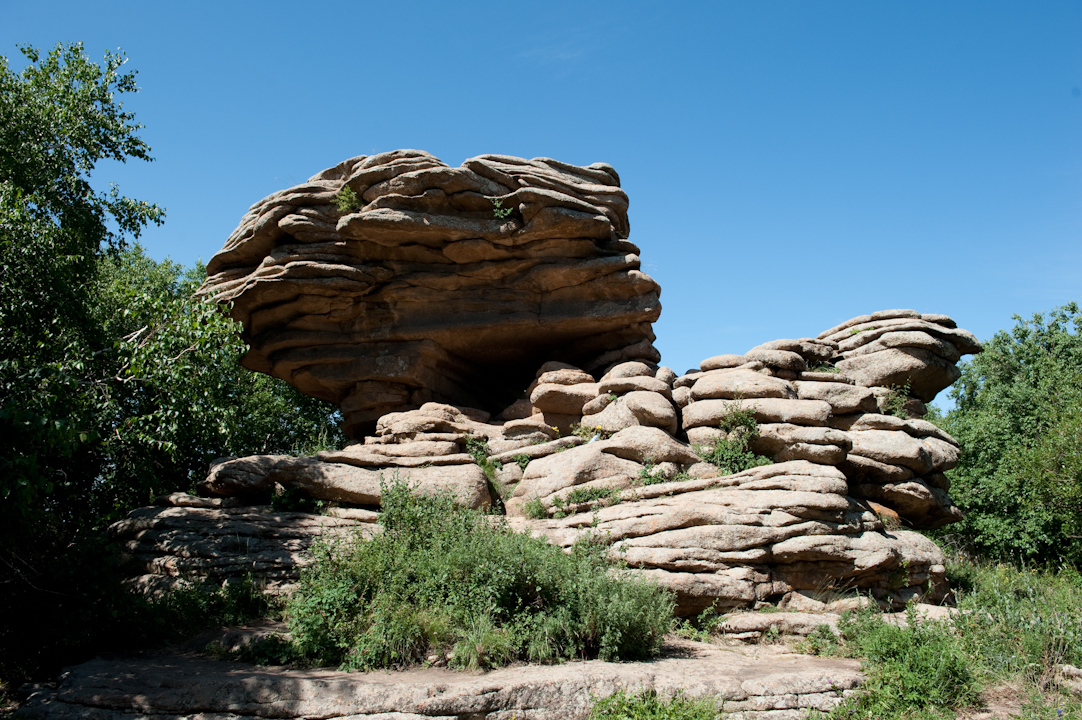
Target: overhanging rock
(437,283)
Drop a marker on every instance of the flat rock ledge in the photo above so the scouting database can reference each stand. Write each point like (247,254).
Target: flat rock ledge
(761,682)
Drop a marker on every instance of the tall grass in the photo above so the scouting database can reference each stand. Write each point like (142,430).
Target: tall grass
(1012,628)
(1019,623)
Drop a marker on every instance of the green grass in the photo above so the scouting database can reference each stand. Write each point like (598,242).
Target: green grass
(454,583)
(648,705)
(580,495)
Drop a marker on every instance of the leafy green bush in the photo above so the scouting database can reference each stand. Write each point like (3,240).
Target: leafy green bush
(116,384)
(895,401)
(730,451)
(441,578)
(577,496)
(651,475)
(1012,627)
(648,705)
(346,200)
(1018,418)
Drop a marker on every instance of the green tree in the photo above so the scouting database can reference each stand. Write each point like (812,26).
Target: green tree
(1018,417)
(115,382)
(59,117)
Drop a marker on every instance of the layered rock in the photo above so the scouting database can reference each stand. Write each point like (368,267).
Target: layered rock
(438,283)
(901,348)
(751,538)
(190,539)
(391,282)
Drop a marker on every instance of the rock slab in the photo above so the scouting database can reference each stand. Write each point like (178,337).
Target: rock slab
(776,685)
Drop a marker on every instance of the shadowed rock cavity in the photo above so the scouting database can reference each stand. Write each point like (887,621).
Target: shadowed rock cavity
(438,283)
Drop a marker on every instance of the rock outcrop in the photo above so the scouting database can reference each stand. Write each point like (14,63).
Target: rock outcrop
(192,539)
(854,468)
(435,283)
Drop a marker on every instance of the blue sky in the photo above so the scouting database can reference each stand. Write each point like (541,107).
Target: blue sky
(789,164)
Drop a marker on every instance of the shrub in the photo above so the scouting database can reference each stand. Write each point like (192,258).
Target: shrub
(919,667)
(652,475)
(347,200)
(1012,628)
(730,450)
(453,582)
(579,495)
(894,404)
(1019,622)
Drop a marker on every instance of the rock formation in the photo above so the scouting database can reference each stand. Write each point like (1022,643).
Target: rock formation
(509,285)
(436,283)
(853,465)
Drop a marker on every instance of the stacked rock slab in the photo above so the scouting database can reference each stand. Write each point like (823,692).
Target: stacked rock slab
(853,464)
(436,283)
(185,538)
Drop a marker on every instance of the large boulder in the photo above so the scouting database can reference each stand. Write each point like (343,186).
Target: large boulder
(436,283)
(901,348)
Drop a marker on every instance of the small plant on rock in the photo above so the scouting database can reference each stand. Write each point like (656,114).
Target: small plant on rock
(894,404)
(588,432)
(347,200)
(498,211)
(535,509)
(478,448)
(578,496)
(522,460)
(648,705)
(650,475)
(731,451)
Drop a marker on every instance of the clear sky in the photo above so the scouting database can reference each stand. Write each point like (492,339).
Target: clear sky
(789,164)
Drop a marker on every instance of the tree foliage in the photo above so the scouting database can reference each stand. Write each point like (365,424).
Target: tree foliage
(58,118)
(115,382)
(1018,417)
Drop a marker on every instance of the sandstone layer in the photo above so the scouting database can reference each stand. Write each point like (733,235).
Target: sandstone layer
(436,283)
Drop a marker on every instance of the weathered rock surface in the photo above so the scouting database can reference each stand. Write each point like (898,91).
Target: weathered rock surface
(166,545)
(769,683)
(343,477)
(738,540)
(449,284)
(902,347)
